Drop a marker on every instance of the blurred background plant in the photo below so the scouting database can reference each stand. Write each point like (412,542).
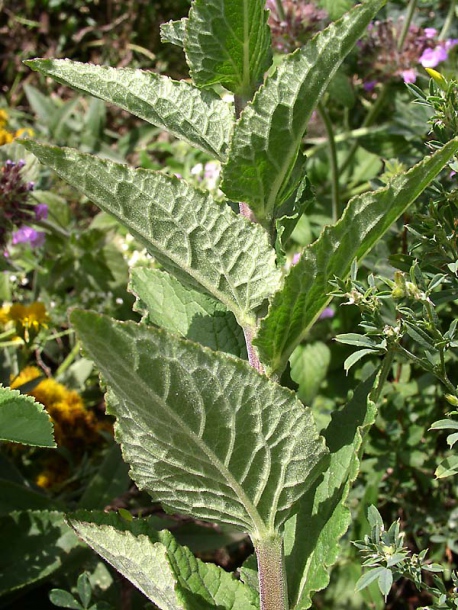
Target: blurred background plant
(380,114)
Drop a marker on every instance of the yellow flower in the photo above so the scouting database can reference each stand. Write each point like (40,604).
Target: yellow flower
(74,426)
(31,316)
(4,317)
(3,117)
(6,137)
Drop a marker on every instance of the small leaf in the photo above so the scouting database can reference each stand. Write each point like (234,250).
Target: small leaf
(355,339)
(447,467)
(203,432)
(374,518)
(357,356)
(385,582)
(445,424)
(198,117)
(64,599)
(84,588)
(228,42)
(22,420)
(369,577)
(199,240)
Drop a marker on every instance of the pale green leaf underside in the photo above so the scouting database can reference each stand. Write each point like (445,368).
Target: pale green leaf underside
(228,43)
(173,578)
(203,432)
(174,32)
(164,301)
(192,236)
(23,420)
(312,536)
(365,220)
(198,117)
(266,140)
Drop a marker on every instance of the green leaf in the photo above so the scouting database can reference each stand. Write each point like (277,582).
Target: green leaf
(167,573)
(164,301)
(174,32)
(64,599)
(109,482)
(445,424)
(309,367)
(336,8)
(365,220)
(17,496)
(228,42)
(35,544)
(357,356)
(198,117)
(267,138)
(23,420)
(203,432)
(84,589)
(385,582)
(447,467)
(369,577)
(312,535)
(194,237)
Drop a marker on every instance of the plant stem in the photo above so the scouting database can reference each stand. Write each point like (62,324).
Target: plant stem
(370,118)
(280,10)
(407,22)
(253,357)
(273,591)
(383,376)
(333,160)
(448,21)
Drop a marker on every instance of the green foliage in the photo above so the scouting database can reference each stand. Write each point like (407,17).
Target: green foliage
(230,293)
(22,420)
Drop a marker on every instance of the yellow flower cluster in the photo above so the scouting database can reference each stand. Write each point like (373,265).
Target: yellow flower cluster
(74,426)
(33,316)
(6,137)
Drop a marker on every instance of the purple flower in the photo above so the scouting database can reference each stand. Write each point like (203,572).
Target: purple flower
(28,235)
(327,312)
(41,211)
(430,32)
(409,75)
(431,57)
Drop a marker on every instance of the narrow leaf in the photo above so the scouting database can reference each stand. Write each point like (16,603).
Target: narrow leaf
(228,42)
(357,356)
(312,535)
(191,235)
(369,577)
(64,599)
(198,117)
(204,433)
(366,218)
(23,420)
(166,572)
(267,138)
(445,424)
(164,301)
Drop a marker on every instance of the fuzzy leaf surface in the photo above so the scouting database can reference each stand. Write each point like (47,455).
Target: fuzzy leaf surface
(199,240)
(366,219)
(312,535)
(198,117)
(23,420)
(266,139)
(228,42)
(165,302)
(166,572)
(174,32)
(203,432)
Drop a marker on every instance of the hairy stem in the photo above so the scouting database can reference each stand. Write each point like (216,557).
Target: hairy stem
(448,21)
(272,575)
(333,160)
(253,357)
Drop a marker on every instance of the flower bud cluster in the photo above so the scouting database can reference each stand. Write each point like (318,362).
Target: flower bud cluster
(300,20)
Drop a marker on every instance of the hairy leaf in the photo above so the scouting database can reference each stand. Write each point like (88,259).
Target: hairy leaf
(312,535)
(204,433)
(228,42)
(199,240)
(365,220)
(174,32)
(167,573)
(164,301)
(267,138)
(23,420)
(198,117)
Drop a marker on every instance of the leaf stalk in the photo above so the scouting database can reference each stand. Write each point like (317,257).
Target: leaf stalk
(273,590)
